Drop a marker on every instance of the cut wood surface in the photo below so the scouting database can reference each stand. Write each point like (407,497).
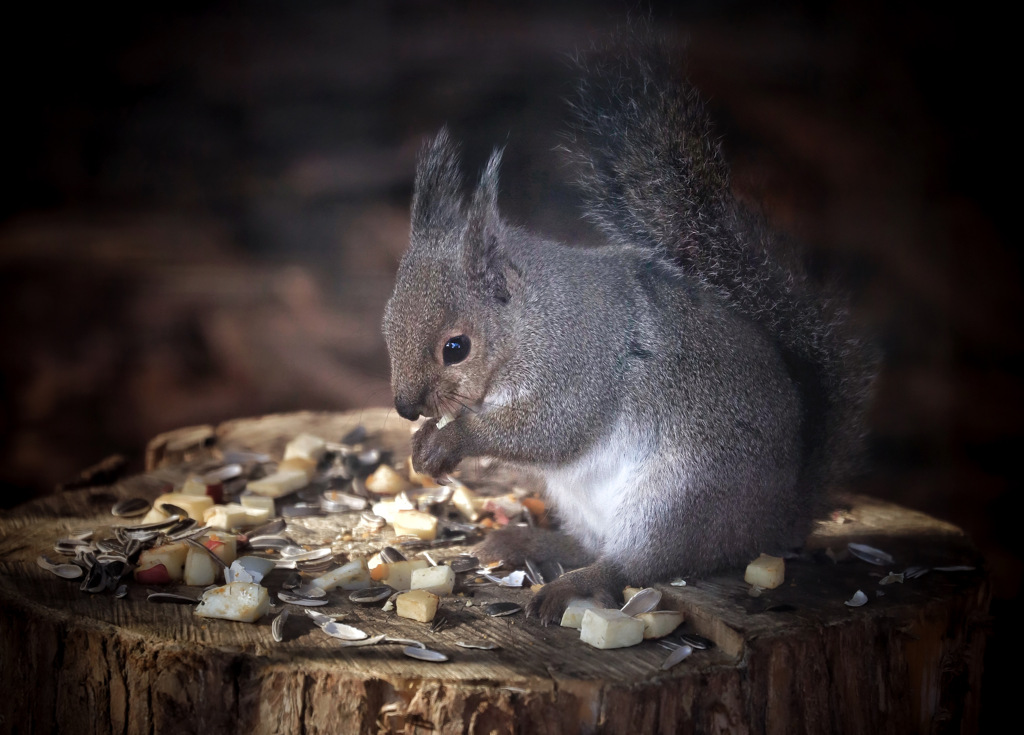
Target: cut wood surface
(793,659)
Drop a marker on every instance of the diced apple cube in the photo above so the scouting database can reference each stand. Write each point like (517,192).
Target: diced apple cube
(307,447)
(279,484)
(351,576)
(417,605)
(610,629)
(466,502)
(766,571)
(162,564)
(235,515)
(385,481)
(200,569)
(660,623)
(245,602)
(573,615)
(258,502)
(397,575)
(440,580)
(415,523)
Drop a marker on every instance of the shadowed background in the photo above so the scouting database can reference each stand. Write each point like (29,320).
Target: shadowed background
(205,207)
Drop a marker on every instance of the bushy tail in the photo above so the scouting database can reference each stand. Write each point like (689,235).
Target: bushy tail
(654,176)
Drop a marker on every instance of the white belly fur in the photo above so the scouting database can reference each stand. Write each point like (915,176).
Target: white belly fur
(588,491)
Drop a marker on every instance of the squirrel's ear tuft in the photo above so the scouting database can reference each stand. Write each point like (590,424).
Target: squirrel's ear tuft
(437,196)
(485,262)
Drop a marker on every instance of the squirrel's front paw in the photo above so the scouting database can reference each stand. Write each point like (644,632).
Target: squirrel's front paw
(435,452)
(594,582)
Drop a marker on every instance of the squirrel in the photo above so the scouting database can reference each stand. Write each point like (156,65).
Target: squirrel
(686,389)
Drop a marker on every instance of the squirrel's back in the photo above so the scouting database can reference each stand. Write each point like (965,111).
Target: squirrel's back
(654,176)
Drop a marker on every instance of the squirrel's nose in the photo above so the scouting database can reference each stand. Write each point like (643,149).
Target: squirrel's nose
(407,409)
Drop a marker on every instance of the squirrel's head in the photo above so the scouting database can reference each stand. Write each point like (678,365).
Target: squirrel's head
(447,321)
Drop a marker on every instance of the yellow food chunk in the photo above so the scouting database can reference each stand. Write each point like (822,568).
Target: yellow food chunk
(660,623)
(610,629)
(766,571)
(417,605)
(440,580)
(385,481)
(245,602)
(415,523)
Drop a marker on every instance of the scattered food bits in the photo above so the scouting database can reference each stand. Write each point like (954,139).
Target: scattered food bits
(162,564)
(397,575)
(766,572)
(200,569)
(194,505)
(573,615)
(307,447)
(660,623)
(245,602)
(235,515)
(280,483)
(418,605)
(385,481)
(440,580)
(351,576)
(415,523)
(610,629)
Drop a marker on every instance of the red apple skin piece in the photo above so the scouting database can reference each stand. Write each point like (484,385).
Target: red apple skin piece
(216,491)
(154,575)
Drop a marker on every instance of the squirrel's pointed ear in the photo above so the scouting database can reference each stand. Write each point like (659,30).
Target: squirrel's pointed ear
(485,263)
(437,197)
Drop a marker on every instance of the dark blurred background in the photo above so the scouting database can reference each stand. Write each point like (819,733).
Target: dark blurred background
(206,203)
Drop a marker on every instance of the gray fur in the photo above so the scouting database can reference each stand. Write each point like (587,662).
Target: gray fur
(686,390)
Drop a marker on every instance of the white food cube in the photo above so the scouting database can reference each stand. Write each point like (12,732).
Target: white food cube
(235,515)
(245,602)
(398,575)
(351,576)
(466,502)
(660,623)
(573,615)
(307,447)
(415,523)
(417,605)
(194,486)
(200,569)
(162,564)
(440,580)
(194,505)
(258,502)
(766,571)
(610,629)
(385,481)
(280,483)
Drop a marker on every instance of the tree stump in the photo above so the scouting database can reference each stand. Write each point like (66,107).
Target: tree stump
(794,659)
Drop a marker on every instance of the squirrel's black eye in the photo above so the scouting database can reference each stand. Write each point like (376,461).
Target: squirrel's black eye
(455,350)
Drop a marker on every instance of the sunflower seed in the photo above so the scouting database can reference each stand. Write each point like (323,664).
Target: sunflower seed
(277,627)
(424,654)
(870,554)
(370,595)
(483,645)
(500,609)
(171,597)
(319,618)
(675,657)
(858,599)
(464,563)
(131,507)
(643,601)
(697,642)
(301,600)
(343,632)
(390,555)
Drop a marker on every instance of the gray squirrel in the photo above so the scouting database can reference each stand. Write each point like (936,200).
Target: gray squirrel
(686,390)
